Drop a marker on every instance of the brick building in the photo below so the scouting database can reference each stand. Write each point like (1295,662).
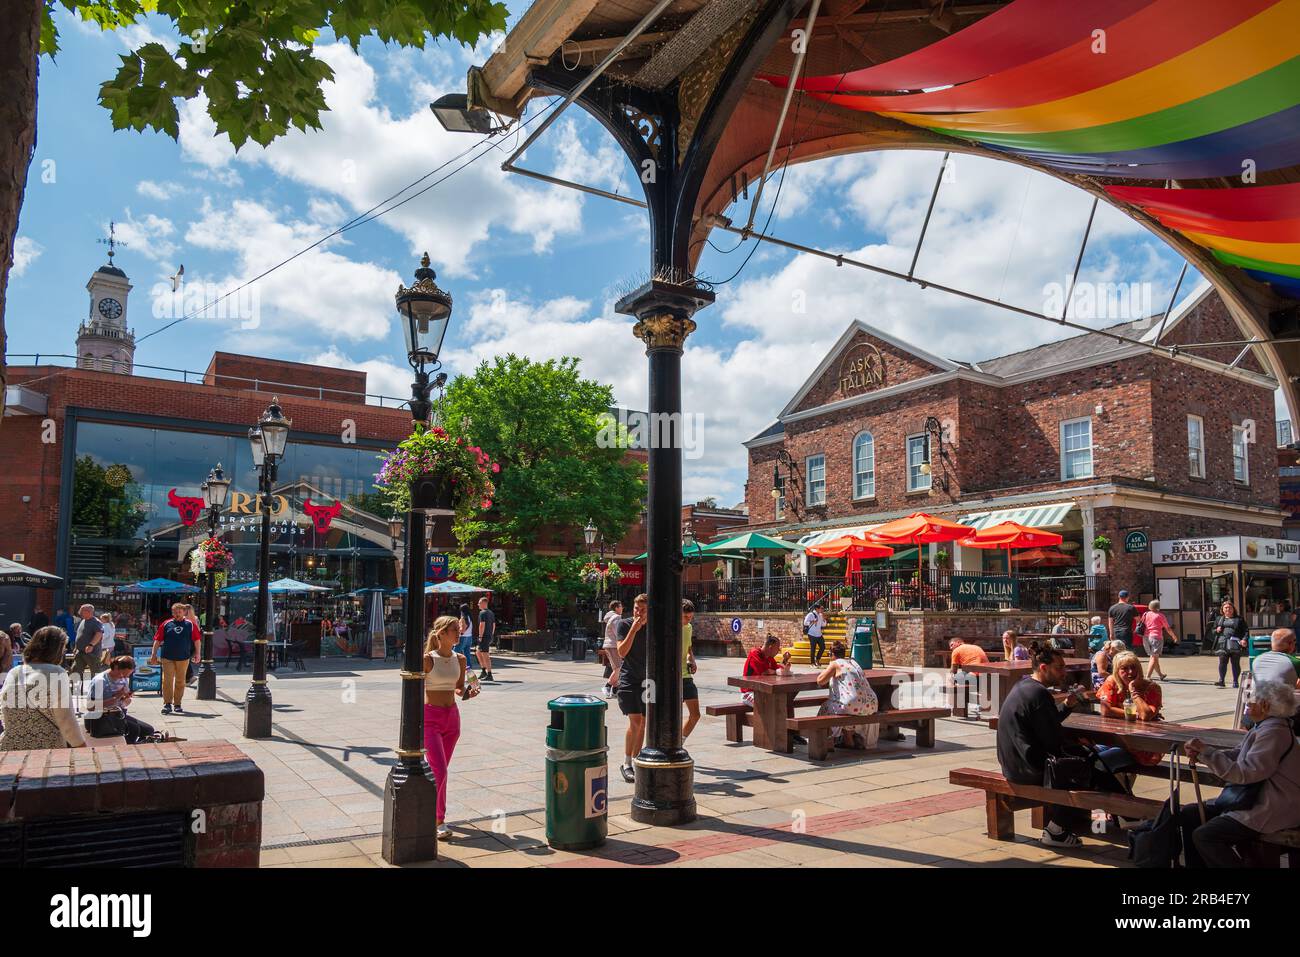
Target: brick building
(99,450)
(1090,436)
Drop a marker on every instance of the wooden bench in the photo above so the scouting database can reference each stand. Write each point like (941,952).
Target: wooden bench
(818,729)
(738,714)
(1003,799)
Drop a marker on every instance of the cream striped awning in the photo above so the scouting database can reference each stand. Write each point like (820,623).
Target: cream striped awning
(826,534)
(1034,516)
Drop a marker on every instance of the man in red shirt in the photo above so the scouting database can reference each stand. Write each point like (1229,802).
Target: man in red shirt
(763,661)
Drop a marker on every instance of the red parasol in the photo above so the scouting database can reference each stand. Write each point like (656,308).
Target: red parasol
(1011,535)
(853,548)
(918,529)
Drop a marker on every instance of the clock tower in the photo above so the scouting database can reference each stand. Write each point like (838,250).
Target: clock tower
(104,342)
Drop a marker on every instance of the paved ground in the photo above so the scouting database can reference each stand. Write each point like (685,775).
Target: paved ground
(335,728)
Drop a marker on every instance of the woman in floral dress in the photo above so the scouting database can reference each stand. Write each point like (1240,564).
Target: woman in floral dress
(850,693)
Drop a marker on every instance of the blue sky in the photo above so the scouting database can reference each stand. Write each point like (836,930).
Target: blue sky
(534,269)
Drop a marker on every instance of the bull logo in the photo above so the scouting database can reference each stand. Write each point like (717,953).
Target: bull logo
(321,515)
(189,509)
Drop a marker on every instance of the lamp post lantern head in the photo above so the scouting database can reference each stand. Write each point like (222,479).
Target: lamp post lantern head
(258,447)
(395,526)
(589,533)
(425,311)
(275,429)
(216,488)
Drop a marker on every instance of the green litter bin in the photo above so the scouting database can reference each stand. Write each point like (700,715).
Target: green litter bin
(862,643)
(577,773)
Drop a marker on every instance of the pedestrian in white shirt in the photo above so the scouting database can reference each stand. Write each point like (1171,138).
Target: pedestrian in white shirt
(813,624)
(613,661)
(110,630)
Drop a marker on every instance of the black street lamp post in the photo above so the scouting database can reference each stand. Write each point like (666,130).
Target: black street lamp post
(267,440)
(410,793)
(214,494)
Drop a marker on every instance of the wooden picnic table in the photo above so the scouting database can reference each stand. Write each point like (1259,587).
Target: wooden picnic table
(1007,673)
(774,699)
(1146,735)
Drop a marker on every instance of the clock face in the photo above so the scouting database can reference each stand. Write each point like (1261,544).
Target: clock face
(110,308)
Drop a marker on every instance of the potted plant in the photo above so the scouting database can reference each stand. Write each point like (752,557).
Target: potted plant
(210,555)
(433,470)
(1101,543)
(719,572)
(942,558)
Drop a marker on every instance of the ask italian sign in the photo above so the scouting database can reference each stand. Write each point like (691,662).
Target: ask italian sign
(969,589)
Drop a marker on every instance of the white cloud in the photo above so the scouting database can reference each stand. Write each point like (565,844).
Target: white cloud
(26,252)
(319,298)
(383,378)
(148,236)
(155,190)
(365,152)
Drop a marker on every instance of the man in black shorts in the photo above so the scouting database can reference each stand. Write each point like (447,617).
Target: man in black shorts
(632,640)
(487,627)
(690,694)
(1122,615)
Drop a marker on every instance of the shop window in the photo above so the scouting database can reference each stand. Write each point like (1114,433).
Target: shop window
(1196,446)
(864,466)
(815,471)
(917,456)
(1240,458)
(1076,449)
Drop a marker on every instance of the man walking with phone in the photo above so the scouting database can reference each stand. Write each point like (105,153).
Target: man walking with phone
(814,623)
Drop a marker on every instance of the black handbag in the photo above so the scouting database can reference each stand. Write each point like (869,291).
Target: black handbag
(1159,843)
(1074,769)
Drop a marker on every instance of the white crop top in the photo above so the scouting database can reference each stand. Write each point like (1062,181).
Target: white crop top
(445,673)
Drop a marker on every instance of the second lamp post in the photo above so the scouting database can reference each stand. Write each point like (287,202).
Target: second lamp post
(267,440)
(214,494)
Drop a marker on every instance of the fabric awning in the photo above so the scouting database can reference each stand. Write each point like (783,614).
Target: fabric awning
(1036,516)
(826,534)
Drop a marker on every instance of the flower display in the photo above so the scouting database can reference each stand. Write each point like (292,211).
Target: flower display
(592,573)
(211,554)
(434,452)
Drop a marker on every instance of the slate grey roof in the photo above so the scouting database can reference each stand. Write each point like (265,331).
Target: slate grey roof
(776,428)
(1086,345)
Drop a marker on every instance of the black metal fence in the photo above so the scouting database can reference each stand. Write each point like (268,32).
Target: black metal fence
(934,589)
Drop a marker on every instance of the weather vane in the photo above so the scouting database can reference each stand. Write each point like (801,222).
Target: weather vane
(112,242)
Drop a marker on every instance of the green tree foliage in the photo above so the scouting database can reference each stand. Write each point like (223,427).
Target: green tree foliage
(541,422)
(254,61)
(103,502)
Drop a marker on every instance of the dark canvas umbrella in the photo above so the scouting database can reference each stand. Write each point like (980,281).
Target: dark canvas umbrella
(13,573)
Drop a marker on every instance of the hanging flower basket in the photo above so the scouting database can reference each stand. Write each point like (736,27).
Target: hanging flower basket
(434,471)
(210,555)
(593,574)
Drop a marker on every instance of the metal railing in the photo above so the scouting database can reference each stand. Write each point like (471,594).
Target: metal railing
(900,591)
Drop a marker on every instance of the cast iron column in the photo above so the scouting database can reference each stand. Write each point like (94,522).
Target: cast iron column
(257,704)
(410,793)
(207,689)
(664,771)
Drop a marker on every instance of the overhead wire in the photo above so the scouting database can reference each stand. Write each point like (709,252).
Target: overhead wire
(361,219)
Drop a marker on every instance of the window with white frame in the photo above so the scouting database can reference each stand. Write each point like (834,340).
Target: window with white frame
(1196,446)
(780,498)
(1240,458)
(1076,449)
(917,456)
(864,466)
(815,471)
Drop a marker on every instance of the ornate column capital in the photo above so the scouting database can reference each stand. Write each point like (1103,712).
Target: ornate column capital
(663,331)
(663,311)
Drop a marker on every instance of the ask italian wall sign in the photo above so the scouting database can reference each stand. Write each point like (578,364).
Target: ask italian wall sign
(863,368)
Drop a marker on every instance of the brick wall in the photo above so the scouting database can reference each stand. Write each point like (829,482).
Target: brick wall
(216,786)
(286,378)
(1004,438)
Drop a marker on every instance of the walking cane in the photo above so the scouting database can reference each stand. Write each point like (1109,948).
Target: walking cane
(1196,786)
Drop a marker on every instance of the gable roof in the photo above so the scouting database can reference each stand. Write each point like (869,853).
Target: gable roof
(856,326)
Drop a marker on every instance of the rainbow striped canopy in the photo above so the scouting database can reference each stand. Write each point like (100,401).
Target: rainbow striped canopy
(1127,89)
(1256,228)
